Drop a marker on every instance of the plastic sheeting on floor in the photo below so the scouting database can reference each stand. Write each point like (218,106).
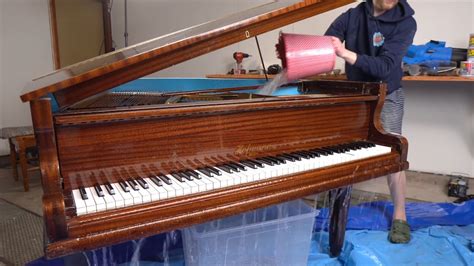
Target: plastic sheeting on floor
(377,215)
(431,244)
(435,245)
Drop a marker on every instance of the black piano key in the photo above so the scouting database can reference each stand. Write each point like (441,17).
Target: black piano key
(99,190)
(328,151)
(155,180)
(177,177)
(265,161)
(194,174)
(314,153)
(368,144)
(279,160)
(110,188)
(249,164)
(257,163)
(302,155)
(205,172)
(83,192)
(297,156)
(142,183)
(124,186)
(321,152)
(133,184)
(233,167)
(239,166)
(225,168)
(165,179)
(213,170)
(292,156)
(186,175)
(286,157)
(307,153)
(274,160)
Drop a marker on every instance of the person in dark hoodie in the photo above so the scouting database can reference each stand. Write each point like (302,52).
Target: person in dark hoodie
(377,34)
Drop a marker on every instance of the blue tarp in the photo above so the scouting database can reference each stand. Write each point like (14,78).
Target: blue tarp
(435,245)
(444,236)
(377,215)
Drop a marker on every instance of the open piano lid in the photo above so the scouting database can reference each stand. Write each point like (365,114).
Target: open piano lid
(88,78)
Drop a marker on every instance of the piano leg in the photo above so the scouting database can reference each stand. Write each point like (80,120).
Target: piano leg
(340,199)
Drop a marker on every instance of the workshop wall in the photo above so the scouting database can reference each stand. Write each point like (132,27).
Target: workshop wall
(25,53)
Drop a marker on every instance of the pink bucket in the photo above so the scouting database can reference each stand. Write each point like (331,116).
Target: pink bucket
(305,55)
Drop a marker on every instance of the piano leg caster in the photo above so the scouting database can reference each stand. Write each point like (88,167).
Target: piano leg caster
(340,199)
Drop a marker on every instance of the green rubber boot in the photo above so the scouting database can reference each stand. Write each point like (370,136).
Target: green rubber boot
(399,232)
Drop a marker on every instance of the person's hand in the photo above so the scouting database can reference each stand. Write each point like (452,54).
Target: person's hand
(338,46)
(341,51)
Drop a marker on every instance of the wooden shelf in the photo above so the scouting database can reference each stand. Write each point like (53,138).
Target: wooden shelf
(439,78)
(343,77)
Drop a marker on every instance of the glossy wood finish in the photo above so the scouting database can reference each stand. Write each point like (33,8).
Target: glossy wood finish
(53,199)
(91,77)
(197,136)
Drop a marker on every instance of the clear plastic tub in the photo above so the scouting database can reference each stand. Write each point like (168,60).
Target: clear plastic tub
(276,235)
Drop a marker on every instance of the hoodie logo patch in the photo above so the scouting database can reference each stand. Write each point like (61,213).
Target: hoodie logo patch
(378,39)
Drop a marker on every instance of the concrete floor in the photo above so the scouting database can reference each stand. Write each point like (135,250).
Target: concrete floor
(420,187)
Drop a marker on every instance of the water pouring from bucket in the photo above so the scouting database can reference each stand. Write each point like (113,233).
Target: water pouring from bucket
(301,56)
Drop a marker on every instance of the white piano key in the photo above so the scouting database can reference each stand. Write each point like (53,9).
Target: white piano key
(193,185)
(90,203)
(136,195)
(79,202)
(208,182)
(178,189)
(127,198)
(146,197)
(201,184)
(155,192)
(117,198)
(170,190)
(99,201)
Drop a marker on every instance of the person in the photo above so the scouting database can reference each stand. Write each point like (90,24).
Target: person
(377,34)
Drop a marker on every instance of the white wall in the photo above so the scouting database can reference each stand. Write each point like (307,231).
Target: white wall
(26,54)
(148,19)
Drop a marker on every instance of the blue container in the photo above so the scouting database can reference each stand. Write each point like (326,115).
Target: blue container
(276,235)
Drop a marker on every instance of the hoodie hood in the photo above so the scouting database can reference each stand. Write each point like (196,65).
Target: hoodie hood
(400,12)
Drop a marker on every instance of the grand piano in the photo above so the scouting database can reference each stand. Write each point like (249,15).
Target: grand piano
(119,165)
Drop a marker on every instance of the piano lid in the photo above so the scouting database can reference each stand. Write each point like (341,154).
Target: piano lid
(90,77)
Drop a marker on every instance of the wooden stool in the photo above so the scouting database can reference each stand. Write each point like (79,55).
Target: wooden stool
(18,147)
(20,139)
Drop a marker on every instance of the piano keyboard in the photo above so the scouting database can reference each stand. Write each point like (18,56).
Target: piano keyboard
(138,190)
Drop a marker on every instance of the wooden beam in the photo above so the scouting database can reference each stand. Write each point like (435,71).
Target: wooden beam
(53,24)
(108,46)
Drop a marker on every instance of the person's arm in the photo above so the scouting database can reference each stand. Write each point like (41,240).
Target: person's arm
(390,56)
(339,27)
